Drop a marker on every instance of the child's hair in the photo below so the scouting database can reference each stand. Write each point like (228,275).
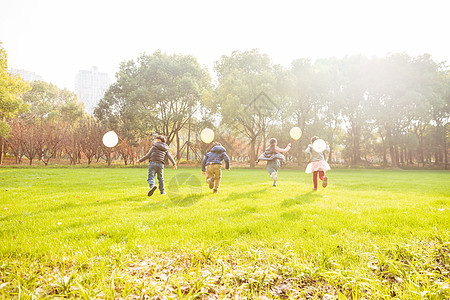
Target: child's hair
(161,138)
(314,138)
(216,144)
(272,145)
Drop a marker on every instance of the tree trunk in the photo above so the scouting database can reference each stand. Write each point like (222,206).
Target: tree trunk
(402,161)
(330,153)
(2,145)
(356,145)
(189,139)
(445,160)
(397,162)
(2,149)
(422,156)
(391,147)
(252,152)
(445,148)
(301,125)
(178,147)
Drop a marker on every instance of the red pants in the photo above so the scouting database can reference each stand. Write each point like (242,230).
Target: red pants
(321,176)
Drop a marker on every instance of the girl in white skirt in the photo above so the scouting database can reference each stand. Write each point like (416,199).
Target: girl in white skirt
(318,165)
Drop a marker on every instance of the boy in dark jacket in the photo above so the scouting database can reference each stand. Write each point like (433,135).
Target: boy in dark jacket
(157,156)
(212,165)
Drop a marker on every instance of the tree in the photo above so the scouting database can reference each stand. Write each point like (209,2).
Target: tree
(54,113)
(90,141)
(301,100)
(354,85)
(403,94)
(330,99)
(247,94)
(48,141)
(29,143)
(434,86)
(16,140)
(11,88)
(157,94)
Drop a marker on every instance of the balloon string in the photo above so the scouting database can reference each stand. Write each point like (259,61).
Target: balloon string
(294,142)
(125,145)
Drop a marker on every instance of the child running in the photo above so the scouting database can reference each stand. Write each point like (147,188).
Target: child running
(318,165)
(212,165)
(157,156)
(274,156)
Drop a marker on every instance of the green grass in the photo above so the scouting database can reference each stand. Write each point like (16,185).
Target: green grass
(93,233)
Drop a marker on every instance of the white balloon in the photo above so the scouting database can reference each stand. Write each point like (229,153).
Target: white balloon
(207,135)
(110,139)
(295,133)
(319,145)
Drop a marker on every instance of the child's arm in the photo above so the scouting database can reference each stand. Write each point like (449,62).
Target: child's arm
(146,156)
(279,150)
(205,159)
(172,160)
(308,150)
(308,153)
(227,161)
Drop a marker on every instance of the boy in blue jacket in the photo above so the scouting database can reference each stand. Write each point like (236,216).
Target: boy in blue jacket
(212,165)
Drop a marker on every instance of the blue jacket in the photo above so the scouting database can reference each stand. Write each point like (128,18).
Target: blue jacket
(216,156)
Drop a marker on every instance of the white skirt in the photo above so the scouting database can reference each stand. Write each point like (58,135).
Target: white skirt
(320,165)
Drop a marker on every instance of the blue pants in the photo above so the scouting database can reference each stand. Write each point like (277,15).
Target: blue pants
(158,169)
(273,166)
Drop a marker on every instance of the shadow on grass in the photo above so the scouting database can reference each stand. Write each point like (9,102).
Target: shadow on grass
(74,226)
(243,211)
(250,194)
(69,206)
(301,199)
(178,201)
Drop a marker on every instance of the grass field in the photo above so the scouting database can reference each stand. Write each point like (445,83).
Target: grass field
(93,233)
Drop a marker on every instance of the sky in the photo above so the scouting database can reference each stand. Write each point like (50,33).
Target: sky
(57,38)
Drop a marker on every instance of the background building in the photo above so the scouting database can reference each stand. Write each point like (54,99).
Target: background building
(26,75)
(90,86)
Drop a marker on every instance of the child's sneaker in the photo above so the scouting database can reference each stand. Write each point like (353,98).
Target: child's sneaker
(215,191)
(163,192)
(314,190)
(152,190)
(325,182)
(211,183)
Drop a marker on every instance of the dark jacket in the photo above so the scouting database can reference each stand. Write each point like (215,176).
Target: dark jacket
(216,156)
(158,153)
